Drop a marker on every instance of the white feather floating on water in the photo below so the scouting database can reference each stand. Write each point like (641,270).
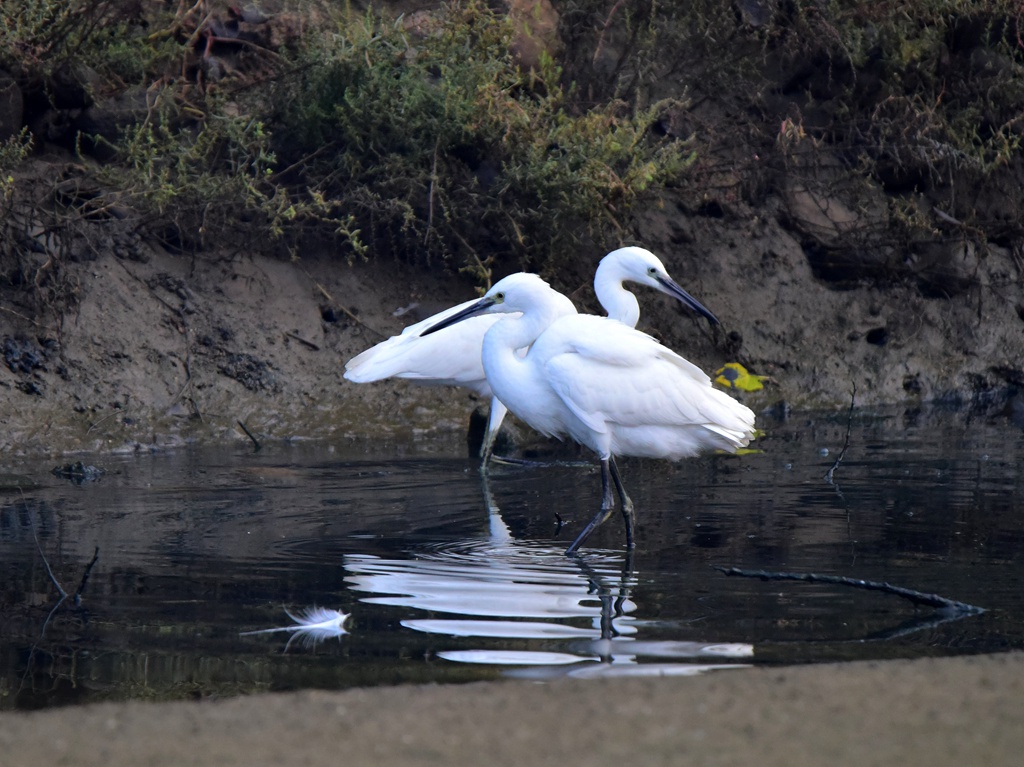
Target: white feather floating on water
(312,626)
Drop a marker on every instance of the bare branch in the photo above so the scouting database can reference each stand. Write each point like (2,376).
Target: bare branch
(917,597)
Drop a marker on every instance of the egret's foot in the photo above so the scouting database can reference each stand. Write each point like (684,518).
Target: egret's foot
(592,525)
(510,461)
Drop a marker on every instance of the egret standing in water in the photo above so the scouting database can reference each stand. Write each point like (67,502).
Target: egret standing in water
(453,357)
(602,383)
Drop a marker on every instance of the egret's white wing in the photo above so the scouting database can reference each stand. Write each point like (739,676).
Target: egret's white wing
(608,342)
(617,380)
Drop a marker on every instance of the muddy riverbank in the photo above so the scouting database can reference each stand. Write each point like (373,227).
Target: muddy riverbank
(937,712)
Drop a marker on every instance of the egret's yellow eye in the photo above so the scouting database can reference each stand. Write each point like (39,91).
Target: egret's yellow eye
(499,297)
(652,271)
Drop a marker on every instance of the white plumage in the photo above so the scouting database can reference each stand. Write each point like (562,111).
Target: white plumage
(633,264)
(443,359)
(602,383)
(452,357)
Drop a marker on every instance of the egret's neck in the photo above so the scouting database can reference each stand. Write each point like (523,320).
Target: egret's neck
(620,304)
(520,331)
(501,362)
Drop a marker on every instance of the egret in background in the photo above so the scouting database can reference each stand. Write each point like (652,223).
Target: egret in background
(453,357)
(633,264)
(604,384)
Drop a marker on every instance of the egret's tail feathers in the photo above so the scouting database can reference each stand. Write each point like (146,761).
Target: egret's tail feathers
(734,422)
(377,363)
(734,438)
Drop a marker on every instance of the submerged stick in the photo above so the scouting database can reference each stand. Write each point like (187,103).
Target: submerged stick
(846,442)
(917,597)
(85,576)
(248,433)
(303,341)
(49,571)
(77,598)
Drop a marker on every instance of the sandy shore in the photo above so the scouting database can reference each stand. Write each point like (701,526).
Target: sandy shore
(959,711)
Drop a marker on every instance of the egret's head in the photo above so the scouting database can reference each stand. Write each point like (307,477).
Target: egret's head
(515,293)
(633,264)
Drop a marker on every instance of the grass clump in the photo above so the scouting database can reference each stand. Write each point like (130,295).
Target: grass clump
(13,152)
(940,81)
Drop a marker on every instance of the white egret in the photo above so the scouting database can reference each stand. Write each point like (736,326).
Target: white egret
(452,357)
(602,383)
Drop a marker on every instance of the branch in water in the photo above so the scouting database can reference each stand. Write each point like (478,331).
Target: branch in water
(917,597)
(846,443)
(60,589)
(255,442)
(85,576)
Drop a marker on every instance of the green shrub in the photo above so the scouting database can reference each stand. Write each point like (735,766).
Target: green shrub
(12,152)
(436,144)
(428,145)
(442,145)
(212,181)
(38,37)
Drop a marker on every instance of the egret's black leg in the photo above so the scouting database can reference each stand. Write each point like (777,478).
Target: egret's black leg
(607,504)
(491,457)
(487,456)
(627,504)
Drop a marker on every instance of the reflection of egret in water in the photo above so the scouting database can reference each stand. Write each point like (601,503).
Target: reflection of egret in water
(579,610)
(312,626)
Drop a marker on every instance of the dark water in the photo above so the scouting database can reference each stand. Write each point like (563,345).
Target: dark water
(447,579)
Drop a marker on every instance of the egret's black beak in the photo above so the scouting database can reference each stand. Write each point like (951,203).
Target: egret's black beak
(673,289)
(470,311)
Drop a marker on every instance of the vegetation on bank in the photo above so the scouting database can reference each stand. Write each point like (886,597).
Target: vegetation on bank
(377,137)
(428,137)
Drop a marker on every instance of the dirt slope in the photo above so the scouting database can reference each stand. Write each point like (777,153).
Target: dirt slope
(161,348)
